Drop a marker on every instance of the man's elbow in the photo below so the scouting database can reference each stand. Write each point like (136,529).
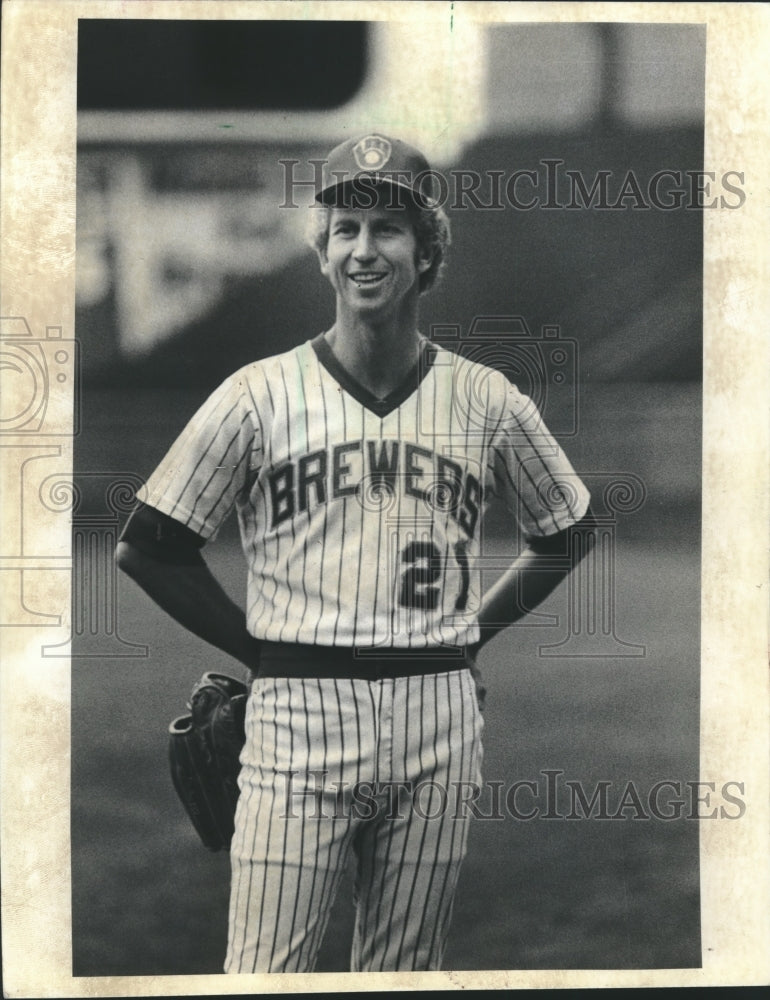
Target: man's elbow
(128,559)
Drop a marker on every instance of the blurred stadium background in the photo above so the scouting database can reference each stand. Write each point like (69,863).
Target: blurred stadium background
(187,268)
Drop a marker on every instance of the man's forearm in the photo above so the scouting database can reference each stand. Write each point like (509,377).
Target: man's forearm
(194,598)
(532,576)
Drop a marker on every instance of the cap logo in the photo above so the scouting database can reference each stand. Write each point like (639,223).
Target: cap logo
(372,152)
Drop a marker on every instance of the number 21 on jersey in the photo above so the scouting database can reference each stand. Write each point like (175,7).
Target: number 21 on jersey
(422,570)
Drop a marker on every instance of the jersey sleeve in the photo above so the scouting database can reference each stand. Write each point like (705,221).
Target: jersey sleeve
(529,471)
(210,463)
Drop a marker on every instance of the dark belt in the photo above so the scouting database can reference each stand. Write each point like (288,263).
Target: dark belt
(290,659)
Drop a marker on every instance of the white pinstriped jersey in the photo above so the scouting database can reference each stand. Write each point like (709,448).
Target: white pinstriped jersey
(360,519)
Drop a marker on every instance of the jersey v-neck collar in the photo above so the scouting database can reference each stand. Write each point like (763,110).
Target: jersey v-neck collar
(380,407)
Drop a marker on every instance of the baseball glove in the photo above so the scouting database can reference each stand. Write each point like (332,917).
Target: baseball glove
(204,751)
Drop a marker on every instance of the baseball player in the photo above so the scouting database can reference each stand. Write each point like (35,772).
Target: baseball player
(360,465)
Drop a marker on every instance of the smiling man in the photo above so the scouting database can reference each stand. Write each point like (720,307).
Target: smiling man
(360,465)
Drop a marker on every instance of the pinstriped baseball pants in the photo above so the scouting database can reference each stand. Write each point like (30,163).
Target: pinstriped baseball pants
(332,766)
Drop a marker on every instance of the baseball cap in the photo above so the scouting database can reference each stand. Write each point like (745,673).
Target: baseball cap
(357,164)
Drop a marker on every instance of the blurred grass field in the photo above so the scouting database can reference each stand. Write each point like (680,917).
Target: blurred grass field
(558,894)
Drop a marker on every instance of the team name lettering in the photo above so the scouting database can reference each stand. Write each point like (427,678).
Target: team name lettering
(354,468)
